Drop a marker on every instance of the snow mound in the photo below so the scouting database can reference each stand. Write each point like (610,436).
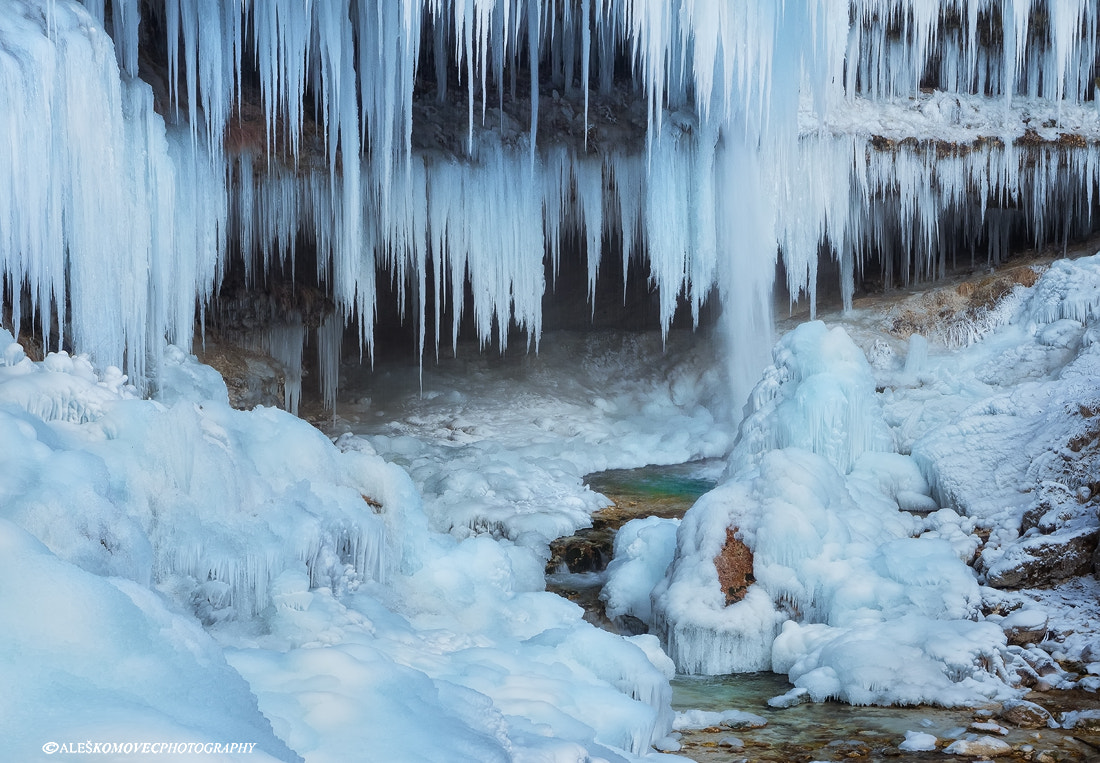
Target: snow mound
(843,575)
(196,566)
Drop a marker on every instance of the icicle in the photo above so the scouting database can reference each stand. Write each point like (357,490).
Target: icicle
(534,14)
(125,19)
(731,91)
(628,177)
(588,184)
(586,57)
(667,222)
(1014,18)
(285,343)
(330,336)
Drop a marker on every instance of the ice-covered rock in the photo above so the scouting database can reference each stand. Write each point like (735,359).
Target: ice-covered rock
(1027,715)
(1025,626)
(983,745)
(918,741)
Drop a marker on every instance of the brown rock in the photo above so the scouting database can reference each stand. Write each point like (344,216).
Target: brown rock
(1027,627)
(589,550)
(1046,559)
(734,565)
(1026,715)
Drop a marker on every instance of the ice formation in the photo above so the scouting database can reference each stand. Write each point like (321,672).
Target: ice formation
(902,135)
(813,490)
(837,490)
(230,563)
(799,127)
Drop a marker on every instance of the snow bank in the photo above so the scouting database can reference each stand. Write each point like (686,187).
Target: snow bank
(87,657)
(217,501)
(843,575)
(334,610)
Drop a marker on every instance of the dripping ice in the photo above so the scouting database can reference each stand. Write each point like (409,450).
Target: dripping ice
(713,81)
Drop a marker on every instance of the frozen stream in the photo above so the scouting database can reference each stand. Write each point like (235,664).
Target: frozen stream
(811,731)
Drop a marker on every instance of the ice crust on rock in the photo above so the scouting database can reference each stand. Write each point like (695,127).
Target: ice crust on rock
(846,574)
(839,576)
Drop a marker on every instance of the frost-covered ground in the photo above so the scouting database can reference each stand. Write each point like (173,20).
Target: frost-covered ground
(179,571)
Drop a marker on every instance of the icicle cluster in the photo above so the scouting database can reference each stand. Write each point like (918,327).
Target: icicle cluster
(107,221)
(119,227)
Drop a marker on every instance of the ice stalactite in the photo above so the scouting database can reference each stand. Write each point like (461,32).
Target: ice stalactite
(125,18)
(286,344)
(759,141)
(110,223)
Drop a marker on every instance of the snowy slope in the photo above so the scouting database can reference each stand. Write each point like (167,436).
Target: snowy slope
(314,573)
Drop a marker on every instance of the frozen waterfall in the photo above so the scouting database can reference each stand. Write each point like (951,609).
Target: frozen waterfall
(891,135)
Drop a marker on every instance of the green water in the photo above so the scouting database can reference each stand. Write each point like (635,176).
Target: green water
(748,691)
(682,482)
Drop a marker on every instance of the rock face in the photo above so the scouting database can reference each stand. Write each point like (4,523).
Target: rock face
(252,378)
(954,316)
(1059,532)
(1042,560)
(734,565)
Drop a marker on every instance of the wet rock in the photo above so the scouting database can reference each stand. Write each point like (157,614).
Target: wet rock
(742,720)
(1026,715)
(734,565)
(985,745)
(849,748)
(588,551)
(988,727)
(1087,721)
(629,625)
